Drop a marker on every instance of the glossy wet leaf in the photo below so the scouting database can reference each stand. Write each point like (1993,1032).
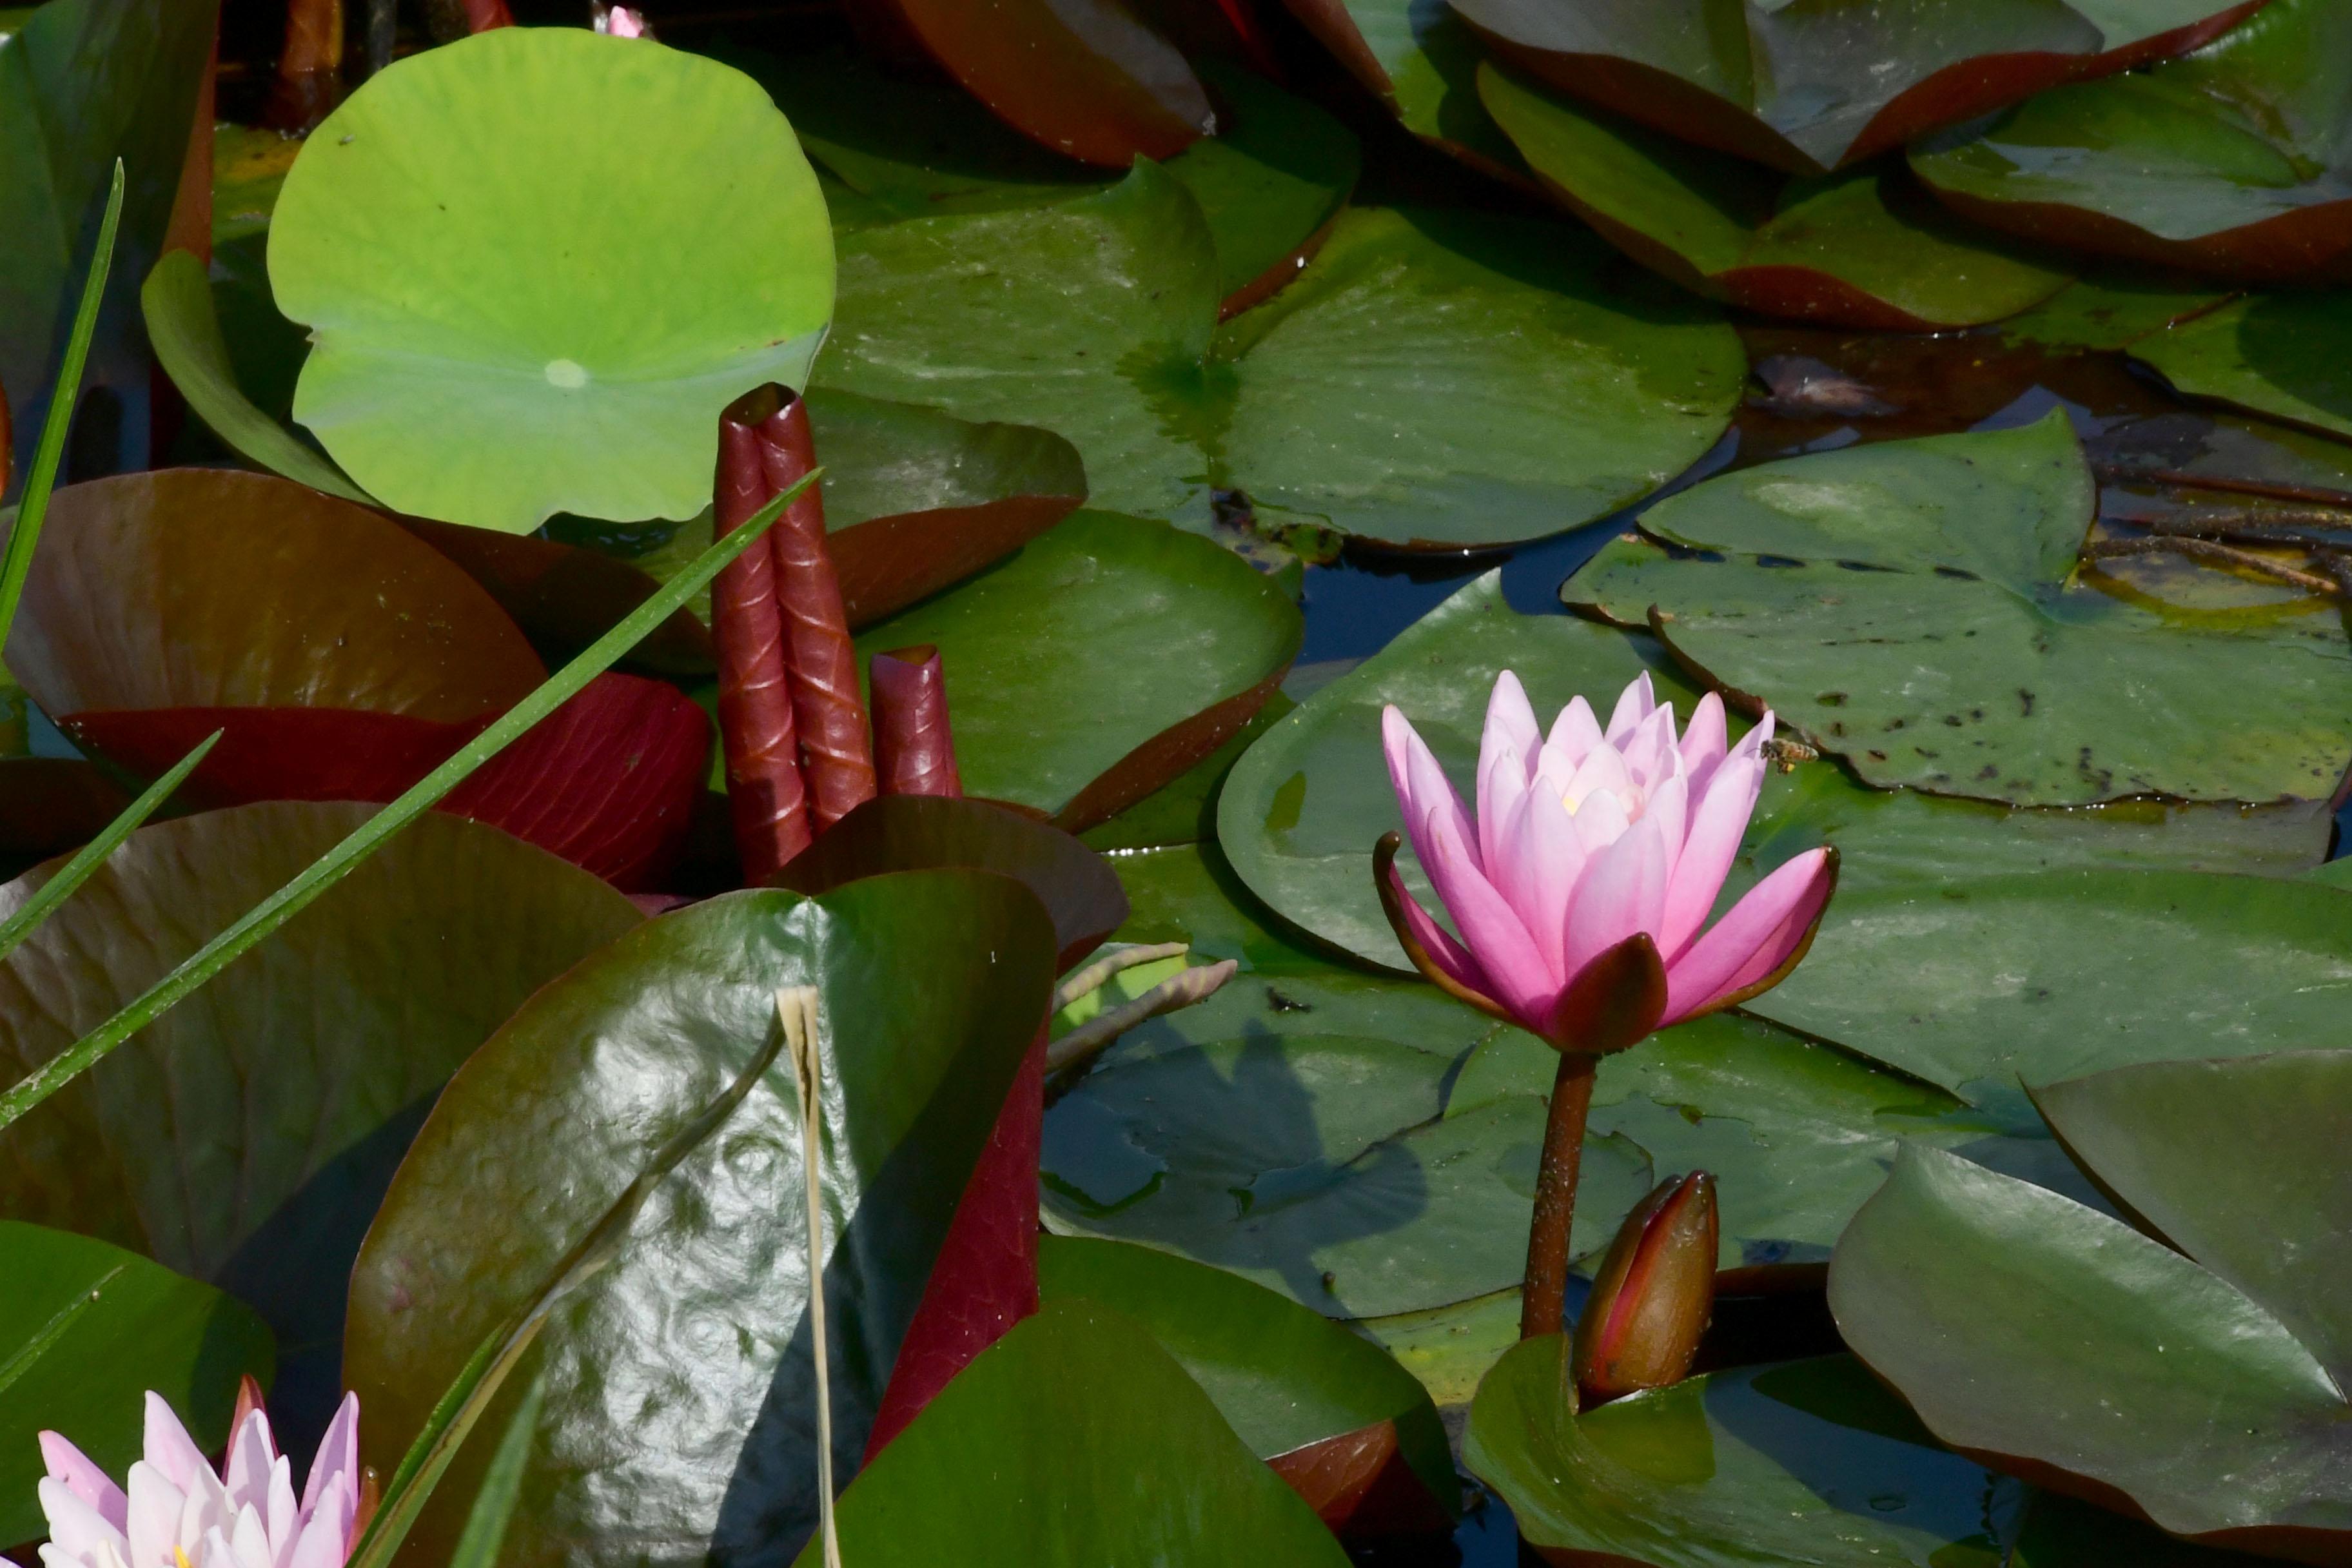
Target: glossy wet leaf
(531,327)
(1974,983)
(86,1329)
(1421,60)
(1184,810)
(2234,160)
(1569,401)
(82,83)
(1289,1128)
(1993,672)
(1812,88)
(1108,657)
(2283,355)
(2038,1331)
(1806,1462)
(244,1137)
(1285,1378)
(932,984)
(1438,377)
(1865,248)
(1100,1449)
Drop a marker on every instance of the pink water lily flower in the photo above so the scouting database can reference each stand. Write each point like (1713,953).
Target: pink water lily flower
(1581,889)
(178,1514)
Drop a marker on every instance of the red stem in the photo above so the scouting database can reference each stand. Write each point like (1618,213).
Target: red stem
(1544,1301)
(914,751)
(481,15)
(766,795)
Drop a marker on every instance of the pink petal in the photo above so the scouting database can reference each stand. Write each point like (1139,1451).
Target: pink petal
(1707,852)
(153,1526)
(1573,734)
(284,1516)
(325,1539)
(1752,743)
(74,1469)
(1602,770)
(251,1455)
(1510,720)
(1751,941)
(1705,739)
(1622,892)
(1542,859)
(338,1458)
(1438,941)
(1506,955)
(1600,822)
(1635,704)
(1669,807)
(1502,785)
(76,1525)
(168,1446)
(1650,754)
(249,1544)
(1421,785)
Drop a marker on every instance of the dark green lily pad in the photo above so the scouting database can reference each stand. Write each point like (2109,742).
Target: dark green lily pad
(245,1137)
(1421,59)
(1099,1449)
(1973,984)
(504,326)
(2232,160)
(1991,673)
(2285,355)
(1804,1463)
(1106,657)
(1567,404)
(1185,810)
(1865,249)
(85,1329)
(932,984)
(2112,310)
(2201,1387)
(1285,1378)
(82,83)
(1813,88)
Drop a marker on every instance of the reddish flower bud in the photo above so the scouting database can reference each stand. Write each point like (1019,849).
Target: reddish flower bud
(914,754)
(1652,1300)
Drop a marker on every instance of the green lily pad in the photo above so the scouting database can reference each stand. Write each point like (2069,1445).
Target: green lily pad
(2284,355)
(1862,248)
(1099,1448)
(2231,160)
(2201,1387)
(1992,674)
(1108,657)
(506,324)
(1573,404)
(2112,311)
(86,1329)
(1284,1377)
(243,1138)
(1814,88)
(1802,1463)
(1421,60)
(82,83)
(1185,810)
(1970,985)
(930,983)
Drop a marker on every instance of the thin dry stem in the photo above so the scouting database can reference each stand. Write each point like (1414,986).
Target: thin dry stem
(1097,975)
(2219,555)
(1088,1040)
(796,1006)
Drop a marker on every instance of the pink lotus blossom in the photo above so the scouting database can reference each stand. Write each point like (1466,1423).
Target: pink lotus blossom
(1586,839)
(619,21)
(178,1514)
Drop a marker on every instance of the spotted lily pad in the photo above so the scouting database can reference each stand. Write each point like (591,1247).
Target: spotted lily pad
(2235,160)
(1862,248)
(1992,672)
(535,263)
(1814,88)
(2191,1367)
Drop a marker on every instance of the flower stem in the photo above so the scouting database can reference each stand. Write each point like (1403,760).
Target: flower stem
(1543,1301)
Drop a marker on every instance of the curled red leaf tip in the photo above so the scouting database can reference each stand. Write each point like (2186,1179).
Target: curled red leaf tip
(914,749)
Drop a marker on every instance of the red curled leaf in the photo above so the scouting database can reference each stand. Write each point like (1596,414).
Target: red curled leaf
(765,792)
(481,15)
(914,750)
(836,756)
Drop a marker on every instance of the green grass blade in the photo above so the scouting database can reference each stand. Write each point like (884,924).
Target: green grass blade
(43,475)
(485,1525)
(337,863)
(76,871)
(460,1407)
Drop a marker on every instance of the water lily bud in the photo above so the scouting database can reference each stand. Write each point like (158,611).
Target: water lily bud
(1653,1297)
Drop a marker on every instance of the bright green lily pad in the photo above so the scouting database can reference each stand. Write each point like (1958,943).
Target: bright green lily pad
(2234,160)
(1991,674)
(1283,1377)
(1094,317)
(2287,356)
(1099,1449)
(1802,1463)
(2028,1328)
(86,1329)
(1863,249)
(536,263)
(930,986)
(1102,636)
